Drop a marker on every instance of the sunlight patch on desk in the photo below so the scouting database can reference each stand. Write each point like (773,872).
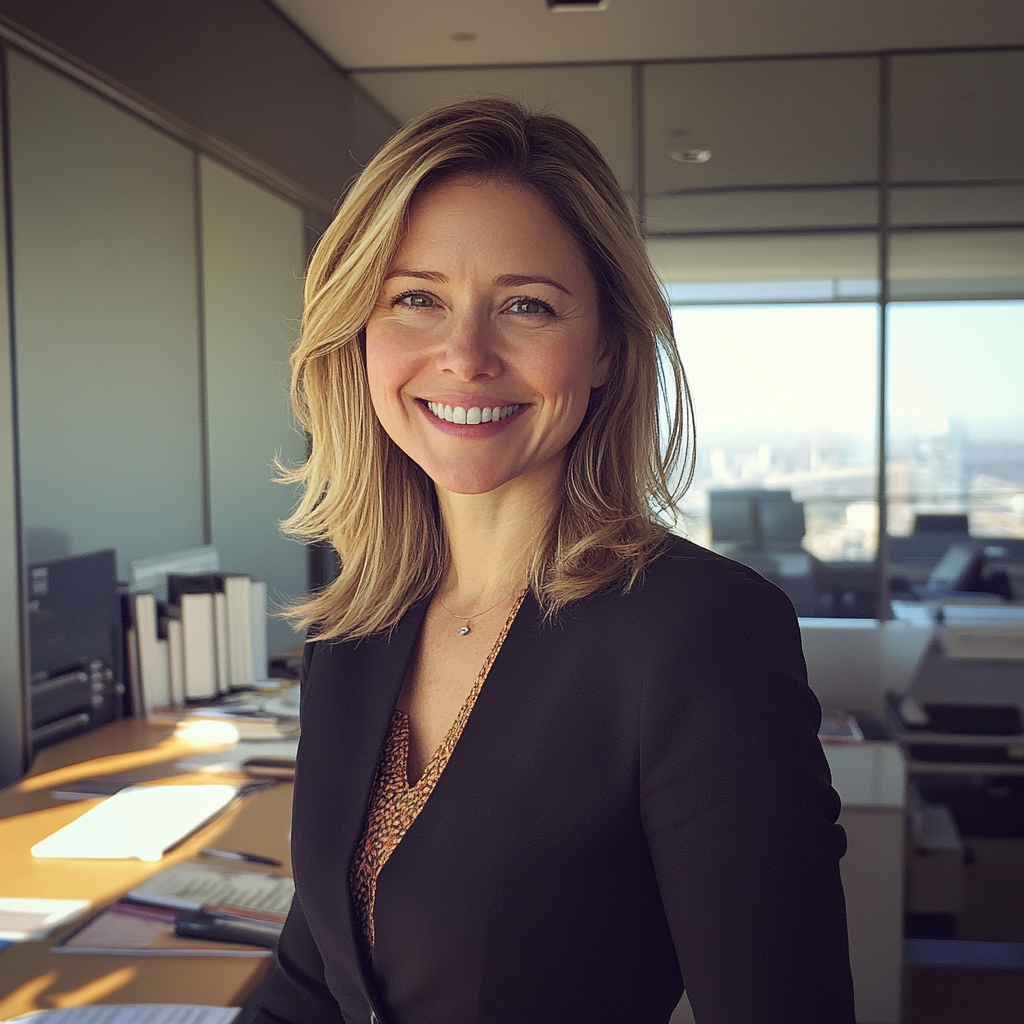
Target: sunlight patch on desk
(95,990)
(167,749)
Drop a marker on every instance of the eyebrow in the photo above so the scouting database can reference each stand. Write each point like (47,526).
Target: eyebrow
(502,281)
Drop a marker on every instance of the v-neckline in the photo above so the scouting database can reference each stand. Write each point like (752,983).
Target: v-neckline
(401,720)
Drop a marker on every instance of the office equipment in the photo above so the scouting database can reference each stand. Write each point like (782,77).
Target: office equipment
(74,625)
(141,823)
(969,568)
(964,708)
(764,529)
(246,858)
(204,924)
(135,929)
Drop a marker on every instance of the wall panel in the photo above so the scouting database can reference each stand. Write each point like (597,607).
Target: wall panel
(253,260)
(106,325)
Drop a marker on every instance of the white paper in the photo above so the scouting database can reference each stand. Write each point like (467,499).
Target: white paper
(139,823)
(135,1013)
(22,918)
(194,884)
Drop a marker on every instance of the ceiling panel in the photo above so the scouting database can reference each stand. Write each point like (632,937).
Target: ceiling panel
(597,100)
(766,258)
(411,33)
(761,122)
(963,205)
(746,211)
(958,116)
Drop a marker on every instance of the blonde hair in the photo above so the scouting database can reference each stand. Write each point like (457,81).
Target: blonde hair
(626,467)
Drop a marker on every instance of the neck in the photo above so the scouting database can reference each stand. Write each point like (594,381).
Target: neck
(493,537)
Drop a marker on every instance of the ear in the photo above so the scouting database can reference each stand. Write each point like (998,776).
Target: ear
(602,366)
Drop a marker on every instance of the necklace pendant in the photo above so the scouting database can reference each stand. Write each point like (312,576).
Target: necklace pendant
(465,630)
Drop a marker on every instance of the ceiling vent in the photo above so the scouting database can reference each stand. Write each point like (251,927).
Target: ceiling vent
(564,6)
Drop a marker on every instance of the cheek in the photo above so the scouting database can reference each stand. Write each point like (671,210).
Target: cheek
(386,370)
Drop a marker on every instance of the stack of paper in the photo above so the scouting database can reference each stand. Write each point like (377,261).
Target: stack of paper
(138,823)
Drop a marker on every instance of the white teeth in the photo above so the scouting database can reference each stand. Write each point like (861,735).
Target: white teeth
(473,415)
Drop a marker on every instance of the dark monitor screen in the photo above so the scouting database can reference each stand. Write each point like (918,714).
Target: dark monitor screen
(782,520)
(732,518)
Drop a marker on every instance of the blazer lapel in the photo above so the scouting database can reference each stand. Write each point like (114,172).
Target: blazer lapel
(348,700)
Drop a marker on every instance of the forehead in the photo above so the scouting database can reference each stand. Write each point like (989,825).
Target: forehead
(488,218)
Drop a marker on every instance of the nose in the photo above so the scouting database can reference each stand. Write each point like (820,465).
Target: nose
(470,350)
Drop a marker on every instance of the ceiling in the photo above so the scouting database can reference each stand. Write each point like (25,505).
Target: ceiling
(789,145)
(418,33)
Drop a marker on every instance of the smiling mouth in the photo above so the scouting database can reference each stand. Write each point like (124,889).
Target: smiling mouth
(473,415)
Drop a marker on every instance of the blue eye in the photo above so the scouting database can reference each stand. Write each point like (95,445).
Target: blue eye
(529,307)
(413,300)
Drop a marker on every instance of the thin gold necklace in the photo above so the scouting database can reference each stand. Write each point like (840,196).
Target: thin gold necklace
(467,629)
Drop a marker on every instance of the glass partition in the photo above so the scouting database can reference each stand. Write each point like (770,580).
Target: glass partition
(106,325)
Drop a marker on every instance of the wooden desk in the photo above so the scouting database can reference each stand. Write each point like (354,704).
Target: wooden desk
(31,977)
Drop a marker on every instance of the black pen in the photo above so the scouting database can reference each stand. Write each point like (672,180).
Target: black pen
(249,858)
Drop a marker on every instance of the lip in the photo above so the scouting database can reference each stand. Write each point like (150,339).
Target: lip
(478,430)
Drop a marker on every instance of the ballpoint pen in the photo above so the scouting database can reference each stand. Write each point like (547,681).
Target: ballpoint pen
(248,858)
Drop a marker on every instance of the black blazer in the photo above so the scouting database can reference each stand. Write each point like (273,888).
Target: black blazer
(639,798)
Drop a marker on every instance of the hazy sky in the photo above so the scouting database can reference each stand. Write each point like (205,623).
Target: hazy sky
(759,371)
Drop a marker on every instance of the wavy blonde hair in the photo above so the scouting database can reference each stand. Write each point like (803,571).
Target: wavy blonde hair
(626,467)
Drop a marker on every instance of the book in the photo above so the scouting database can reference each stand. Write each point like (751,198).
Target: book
(233,615)
(258,628)
(153,653)
(175,656)
(220,642)
(199,645)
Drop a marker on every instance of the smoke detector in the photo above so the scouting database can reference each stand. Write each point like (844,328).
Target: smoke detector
(691,156)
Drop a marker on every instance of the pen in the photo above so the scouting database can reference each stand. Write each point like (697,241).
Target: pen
(249,858)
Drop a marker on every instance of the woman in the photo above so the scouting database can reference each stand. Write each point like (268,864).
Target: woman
(554,762)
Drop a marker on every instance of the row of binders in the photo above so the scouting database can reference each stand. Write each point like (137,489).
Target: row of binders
(209,637)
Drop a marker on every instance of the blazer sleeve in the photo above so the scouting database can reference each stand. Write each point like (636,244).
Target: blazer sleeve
(740,815)
(295,991)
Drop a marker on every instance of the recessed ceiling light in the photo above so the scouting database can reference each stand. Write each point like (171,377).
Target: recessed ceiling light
(463,37)
(564,6)
(691,156)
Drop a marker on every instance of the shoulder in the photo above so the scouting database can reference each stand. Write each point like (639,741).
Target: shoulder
(688,583)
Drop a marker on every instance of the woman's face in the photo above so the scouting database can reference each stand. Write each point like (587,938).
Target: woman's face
(484,342)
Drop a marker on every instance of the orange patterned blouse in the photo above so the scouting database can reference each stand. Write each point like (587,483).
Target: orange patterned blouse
(394,804)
